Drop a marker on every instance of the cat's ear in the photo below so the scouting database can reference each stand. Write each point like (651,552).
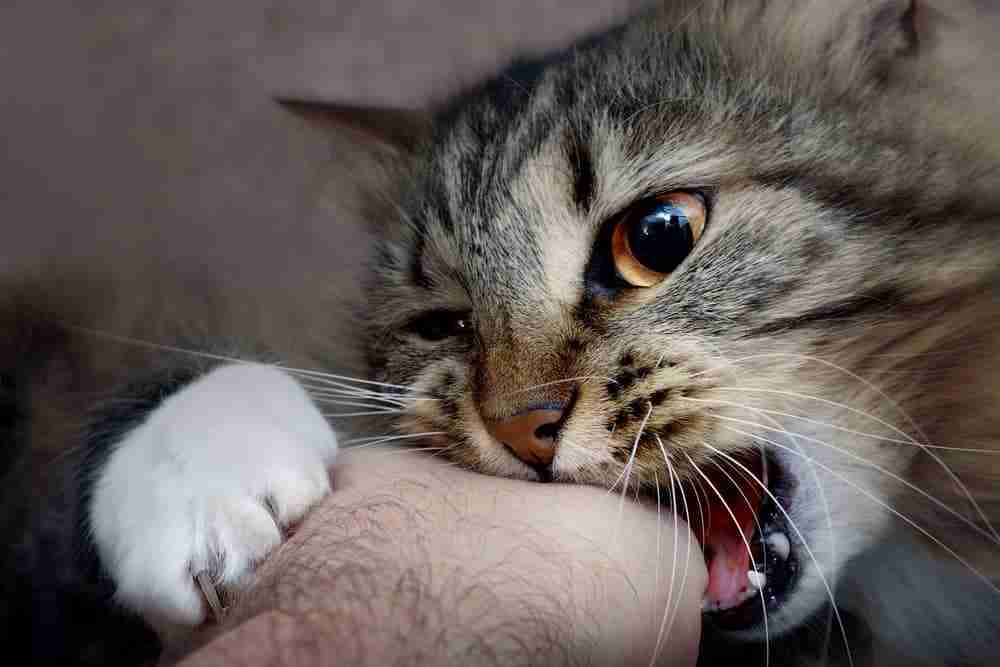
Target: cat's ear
(395,130)
(883,34)
(892,28)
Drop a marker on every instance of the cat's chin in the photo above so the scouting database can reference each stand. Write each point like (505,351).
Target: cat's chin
(753,570)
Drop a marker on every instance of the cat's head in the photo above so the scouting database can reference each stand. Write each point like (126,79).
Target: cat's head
(705,246)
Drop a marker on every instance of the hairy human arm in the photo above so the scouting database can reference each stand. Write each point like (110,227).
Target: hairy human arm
(414,562)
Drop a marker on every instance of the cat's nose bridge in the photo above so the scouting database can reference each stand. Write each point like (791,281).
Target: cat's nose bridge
(517,371)
(531,434)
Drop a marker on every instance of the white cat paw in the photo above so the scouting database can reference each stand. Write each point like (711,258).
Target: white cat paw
(208,483)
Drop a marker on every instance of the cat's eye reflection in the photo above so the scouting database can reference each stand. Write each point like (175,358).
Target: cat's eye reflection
(655,236)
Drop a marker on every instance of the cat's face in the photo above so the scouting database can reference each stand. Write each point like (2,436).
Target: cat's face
(685,268)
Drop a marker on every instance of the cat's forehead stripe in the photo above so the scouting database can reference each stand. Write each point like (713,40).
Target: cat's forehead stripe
(581,161)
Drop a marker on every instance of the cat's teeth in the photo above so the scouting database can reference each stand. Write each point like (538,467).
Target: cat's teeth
(779,544)
(757,580)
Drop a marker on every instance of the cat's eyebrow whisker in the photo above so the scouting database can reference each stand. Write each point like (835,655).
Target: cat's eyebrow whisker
(794,527)
(937,459)
(746,542)
(871,496)
(874,466)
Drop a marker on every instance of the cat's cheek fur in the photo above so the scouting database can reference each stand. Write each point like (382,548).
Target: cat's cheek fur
(192,488)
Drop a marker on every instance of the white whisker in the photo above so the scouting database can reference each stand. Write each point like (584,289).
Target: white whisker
(659,537)
(916,427)
(842,429)
(820,487)
(672,607)
(370,413)
(802,539)
(874,466)
(628,469)
(363,394)
(360,443)
(746,542)
(356,404)
(868,494)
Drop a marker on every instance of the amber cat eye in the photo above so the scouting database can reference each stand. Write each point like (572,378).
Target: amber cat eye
(655,236)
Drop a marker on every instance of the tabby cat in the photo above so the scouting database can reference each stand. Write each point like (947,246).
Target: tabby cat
(736,251)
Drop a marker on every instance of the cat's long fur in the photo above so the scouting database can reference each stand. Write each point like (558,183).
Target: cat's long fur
(852,244)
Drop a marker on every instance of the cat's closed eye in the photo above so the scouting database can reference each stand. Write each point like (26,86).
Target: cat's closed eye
(439,325)
(655,235)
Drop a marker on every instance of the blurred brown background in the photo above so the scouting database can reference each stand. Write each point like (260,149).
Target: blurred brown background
(149,126)
(135,127)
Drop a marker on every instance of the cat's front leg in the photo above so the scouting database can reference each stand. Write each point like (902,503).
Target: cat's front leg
(206,482)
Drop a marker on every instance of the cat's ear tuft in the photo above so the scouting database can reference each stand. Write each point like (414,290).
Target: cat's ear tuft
(886,33)
(868,42)
(397,130)
(892,29)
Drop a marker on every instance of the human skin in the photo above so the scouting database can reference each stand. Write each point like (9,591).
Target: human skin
(411,561)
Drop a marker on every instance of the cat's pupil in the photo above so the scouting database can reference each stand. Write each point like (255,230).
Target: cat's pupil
(661,237)
(438,325)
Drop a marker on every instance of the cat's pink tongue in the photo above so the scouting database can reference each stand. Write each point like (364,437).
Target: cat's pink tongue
(728,564)
(726,553)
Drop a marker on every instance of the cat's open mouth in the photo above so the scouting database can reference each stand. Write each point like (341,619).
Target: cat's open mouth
(743,581)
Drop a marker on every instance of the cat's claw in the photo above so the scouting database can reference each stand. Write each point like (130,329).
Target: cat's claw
(207,484)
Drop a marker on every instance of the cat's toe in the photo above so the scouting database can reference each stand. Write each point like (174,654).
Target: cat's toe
(223,538)
(290,494)
(236,536)
(153,574)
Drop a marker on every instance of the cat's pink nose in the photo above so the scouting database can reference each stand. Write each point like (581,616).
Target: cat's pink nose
(531,435)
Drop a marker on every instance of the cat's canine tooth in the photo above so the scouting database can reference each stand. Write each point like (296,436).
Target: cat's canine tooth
(780,545)
(757,579)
